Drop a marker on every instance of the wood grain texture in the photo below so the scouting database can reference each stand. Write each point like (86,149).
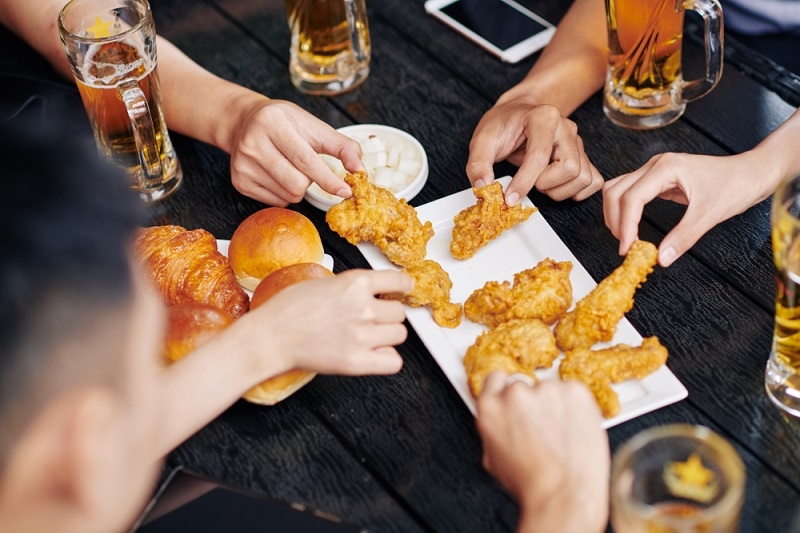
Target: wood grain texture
(401,453)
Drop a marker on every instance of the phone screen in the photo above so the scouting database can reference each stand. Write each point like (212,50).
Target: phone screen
(188,502)
(494,20)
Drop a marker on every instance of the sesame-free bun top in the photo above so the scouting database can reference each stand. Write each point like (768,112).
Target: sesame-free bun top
(284,385)
(270,239)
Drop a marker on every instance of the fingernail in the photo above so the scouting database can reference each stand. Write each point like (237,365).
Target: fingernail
(667,256)
(345,192)
(512,199)
(480,183)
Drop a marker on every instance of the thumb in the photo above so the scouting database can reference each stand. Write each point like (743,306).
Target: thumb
(682,237)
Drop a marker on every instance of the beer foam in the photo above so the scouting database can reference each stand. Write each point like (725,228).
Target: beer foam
(114,73)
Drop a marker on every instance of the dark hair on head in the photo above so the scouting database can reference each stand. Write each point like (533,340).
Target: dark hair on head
(67,220)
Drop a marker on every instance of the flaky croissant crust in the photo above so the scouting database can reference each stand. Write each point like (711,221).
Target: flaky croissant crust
(186,266)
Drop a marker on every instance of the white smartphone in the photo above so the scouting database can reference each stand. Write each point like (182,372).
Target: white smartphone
(503,27)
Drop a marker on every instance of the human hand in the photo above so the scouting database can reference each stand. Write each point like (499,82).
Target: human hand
(694,180)
(337,325)
(274,155)
(545,445)
(545,145)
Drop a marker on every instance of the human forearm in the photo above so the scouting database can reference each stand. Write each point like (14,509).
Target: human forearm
(37,23)
(775,157)
(202,385)
(564,513)
(198,103)
(573,65)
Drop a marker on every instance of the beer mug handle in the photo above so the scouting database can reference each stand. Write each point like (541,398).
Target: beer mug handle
(711,12)
(144,133)
(356,11)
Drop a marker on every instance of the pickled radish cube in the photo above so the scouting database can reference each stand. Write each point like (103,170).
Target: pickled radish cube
(400,180)
(409,166)
(393,158)
(375,159)
(409,153)
(384,177)
(367,147)
(377,143)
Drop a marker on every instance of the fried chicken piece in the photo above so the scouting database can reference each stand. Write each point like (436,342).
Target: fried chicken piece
(595,317)
(374,214)
(543,292)
(598,369)
(432,288)
(516,346)
(489,217)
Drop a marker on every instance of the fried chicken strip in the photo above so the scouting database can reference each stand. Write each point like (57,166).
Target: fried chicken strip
(374,214)
(516,346)
(489,217)
(598,369)
(543,292)
(595,317)
(432,287)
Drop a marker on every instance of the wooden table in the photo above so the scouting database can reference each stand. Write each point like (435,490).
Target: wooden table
(401,453)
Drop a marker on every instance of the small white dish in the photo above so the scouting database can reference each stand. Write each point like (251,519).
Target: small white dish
(388,154)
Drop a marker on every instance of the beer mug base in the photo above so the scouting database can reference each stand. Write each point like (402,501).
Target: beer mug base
(166,187)
(327,85)
(643,121)
(783,386)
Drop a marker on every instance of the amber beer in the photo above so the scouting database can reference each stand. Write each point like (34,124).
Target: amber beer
(330,48)
(644,88)
(110,45)
(644,54)
(783,367)
(105,68)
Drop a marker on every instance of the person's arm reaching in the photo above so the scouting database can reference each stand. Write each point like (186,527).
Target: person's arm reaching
(527,125)
(697,181)
(273,143)
(332,326)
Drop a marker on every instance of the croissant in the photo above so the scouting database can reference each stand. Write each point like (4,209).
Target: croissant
(186,267)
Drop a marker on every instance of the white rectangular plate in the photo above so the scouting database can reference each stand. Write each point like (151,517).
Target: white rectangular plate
(517,249)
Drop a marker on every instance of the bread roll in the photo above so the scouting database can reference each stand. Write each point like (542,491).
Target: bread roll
(271,239)
(284,385)
(189,325)
(185,266)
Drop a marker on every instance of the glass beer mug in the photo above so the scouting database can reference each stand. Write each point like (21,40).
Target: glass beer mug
(644,88)
(330,48)
(111,46)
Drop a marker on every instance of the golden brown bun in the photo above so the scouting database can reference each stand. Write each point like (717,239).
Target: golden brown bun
(278,388)
(283,277)
(189,325)
(271,239)
(284,385)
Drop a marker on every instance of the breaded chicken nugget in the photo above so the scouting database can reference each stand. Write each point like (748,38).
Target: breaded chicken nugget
(374,214)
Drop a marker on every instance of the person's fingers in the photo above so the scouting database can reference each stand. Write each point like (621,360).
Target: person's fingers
(265,167)
(482,156)
(494,383)
(309,165)
(683,236)
(565,167)
(540,130)
(383,360)
(388,311)
(388,281)
(596,179)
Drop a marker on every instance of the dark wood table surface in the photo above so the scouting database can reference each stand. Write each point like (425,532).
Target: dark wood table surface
(401,453)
